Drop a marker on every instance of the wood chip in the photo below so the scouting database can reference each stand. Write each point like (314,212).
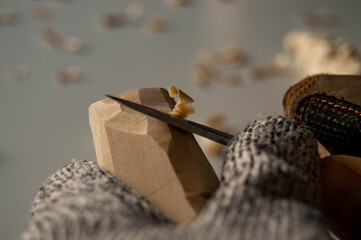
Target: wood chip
(5,17)
(184,107)
(314,53)
(228,77)
(176,2)
(156,24)
(68,44)
(112,20)
(71,74)
(203,74)
(263,71)
(212,66)
(315,19)
(19,73)
(219,122)
(275,67)
(230,55)
(39,13)
(108,20)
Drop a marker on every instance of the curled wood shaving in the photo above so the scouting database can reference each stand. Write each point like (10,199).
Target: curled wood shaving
(39,13)
(276,66)
(156,24)
(19,73)
(219,122)
(203,74)
(230,55)
(5,17)
(212,66)
(322,17)
(112,20)
(68,44)
(314,53)
(108,20)
(176,2)
(183,108)
(69,75)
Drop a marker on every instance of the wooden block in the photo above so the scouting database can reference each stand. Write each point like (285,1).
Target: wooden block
(162,163)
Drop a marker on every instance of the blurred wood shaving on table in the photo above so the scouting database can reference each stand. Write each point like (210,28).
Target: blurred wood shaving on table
(156,24)
(39,13)
(131,15)
(5,17)
(322,17)
(176,2)
(71,74)
(19,73)
(68,44)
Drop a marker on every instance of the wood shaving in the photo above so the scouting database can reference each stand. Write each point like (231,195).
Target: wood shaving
(315,19)
(156,24)
(112,20)
(176,2)
(71,74)
(275,67)
(263,72)
(203,74)
(5,17)
(108,20)
(228,77)
(39,13)
(209,58)
(230,55)
(184,107)
(68,44)
(19,73)
(212,66)
(314,53)
(218,122)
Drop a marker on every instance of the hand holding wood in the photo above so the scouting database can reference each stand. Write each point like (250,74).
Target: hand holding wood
(162,163)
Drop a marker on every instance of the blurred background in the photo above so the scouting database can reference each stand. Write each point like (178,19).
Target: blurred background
(48,79)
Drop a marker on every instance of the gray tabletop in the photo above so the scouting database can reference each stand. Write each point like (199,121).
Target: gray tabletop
(44,126)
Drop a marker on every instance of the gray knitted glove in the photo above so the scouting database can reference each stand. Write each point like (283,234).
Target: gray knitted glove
(269,190)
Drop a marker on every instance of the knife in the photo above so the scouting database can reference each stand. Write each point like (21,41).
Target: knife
(187,125)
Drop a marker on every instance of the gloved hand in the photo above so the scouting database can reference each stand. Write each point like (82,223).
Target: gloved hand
(270,189)
(330,105)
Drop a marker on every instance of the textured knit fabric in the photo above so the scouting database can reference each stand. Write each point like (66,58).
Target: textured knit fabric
(335,122)
(269,190)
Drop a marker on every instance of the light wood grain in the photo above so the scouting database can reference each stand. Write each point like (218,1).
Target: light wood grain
(164,164)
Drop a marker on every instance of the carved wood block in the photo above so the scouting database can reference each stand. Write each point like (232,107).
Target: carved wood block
(162,163)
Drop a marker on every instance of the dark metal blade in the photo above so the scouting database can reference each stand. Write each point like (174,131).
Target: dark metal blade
(189,126)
